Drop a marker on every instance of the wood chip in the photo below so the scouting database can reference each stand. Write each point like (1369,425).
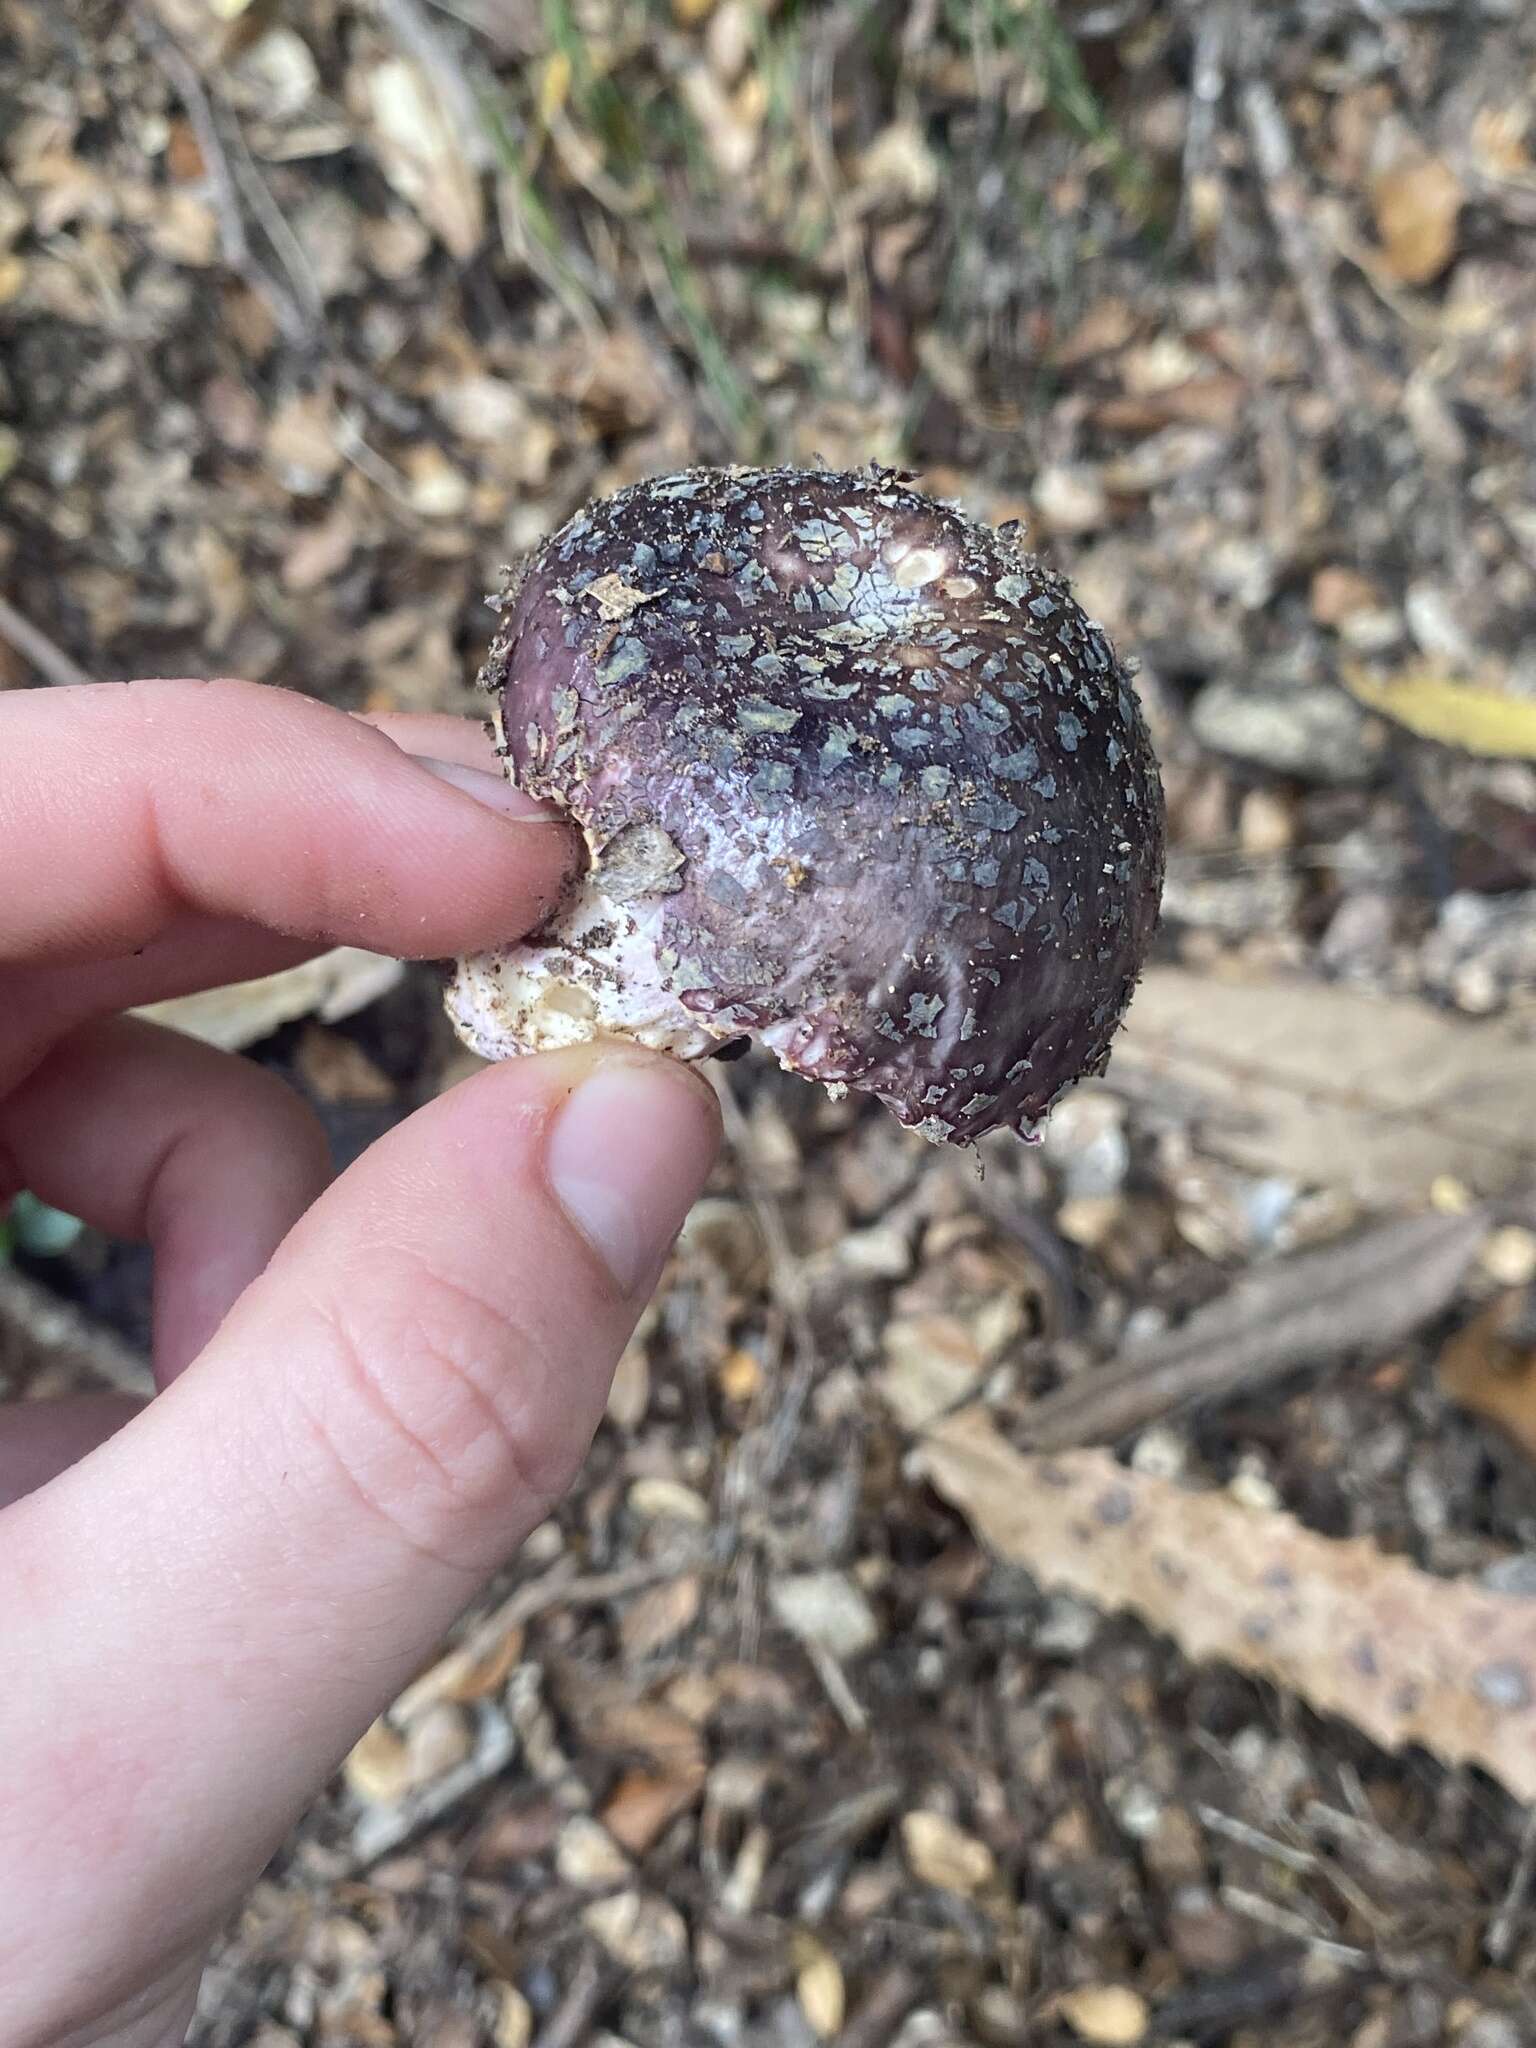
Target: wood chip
(944,1855)
(1417,202)
(1108,2015)
(657,1617)
(640,1931)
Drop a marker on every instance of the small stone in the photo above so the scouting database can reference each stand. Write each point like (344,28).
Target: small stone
(739,1375)
(436,489)
(1340,594)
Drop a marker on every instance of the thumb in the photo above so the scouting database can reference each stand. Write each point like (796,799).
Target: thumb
(220,1598)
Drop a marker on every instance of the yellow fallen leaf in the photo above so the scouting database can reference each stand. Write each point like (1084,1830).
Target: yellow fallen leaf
(554,85)
(1417,202)
(1478,718)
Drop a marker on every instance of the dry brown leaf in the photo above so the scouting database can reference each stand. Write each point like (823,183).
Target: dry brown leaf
(317,553)
(1327,1085)
(1417,203)
(1339,594)
(302,445)
(422,156)
(643,1805)
(1490,1367)
(932,1363)
(1406,1657)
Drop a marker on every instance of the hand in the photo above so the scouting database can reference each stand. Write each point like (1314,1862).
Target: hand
(370,1392)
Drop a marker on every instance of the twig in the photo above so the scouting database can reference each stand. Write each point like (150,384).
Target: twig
(786,1284)
(223,186)
(1208,82)
(55,1333)
(1511,1913)
(285,243)
(34,647)
(585,1996)
(1285,197)
(383,1829)
(883,2011)
(1373,1290)
(560,1586)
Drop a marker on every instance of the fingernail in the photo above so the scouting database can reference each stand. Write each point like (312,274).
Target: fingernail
(494,791)
(627,1156)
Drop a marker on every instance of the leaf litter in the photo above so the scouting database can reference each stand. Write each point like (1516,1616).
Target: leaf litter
(317,317)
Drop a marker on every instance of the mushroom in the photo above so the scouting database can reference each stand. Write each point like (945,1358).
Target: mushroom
(858,780)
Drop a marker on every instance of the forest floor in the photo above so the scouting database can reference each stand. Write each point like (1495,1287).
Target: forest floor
(837,1702)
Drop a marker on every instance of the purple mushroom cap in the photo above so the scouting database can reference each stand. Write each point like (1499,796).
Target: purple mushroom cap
(859,779)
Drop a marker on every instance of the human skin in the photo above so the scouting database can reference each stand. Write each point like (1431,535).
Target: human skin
(370,1390)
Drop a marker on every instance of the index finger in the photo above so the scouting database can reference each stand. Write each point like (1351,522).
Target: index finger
(127,805)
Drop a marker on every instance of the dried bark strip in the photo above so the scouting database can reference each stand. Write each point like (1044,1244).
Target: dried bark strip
(1405,1657)
(1286,197)
(1369,1293)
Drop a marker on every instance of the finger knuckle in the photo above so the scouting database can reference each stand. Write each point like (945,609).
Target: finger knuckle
(425,1408)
